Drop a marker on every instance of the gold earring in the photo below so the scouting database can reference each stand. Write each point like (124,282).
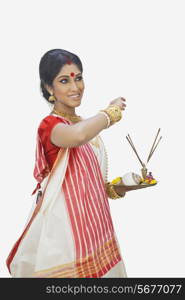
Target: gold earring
(52,98)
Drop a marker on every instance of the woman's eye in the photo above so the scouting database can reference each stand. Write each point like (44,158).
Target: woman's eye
(63,80)
(79,77)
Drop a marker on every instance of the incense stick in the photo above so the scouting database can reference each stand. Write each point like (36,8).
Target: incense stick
(133,147)
(131,141)
(154,146)
(154,149)
(149,156)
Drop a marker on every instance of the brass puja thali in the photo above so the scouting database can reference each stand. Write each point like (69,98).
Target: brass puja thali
(131,181)
(135,187)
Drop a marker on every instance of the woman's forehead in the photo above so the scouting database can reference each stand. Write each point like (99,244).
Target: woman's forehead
(69,70)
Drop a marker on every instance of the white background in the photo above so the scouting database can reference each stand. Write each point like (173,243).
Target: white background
(133,49)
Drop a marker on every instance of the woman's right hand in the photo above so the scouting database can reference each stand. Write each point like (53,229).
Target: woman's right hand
(120,101)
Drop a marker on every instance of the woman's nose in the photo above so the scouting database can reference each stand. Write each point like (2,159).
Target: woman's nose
(74,86)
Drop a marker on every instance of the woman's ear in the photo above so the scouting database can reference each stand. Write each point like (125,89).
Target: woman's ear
(49,89)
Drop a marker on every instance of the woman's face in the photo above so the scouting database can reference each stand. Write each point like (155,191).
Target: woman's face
(68,86)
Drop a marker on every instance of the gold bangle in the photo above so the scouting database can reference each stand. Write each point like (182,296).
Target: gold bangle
(111,191)
(114,113)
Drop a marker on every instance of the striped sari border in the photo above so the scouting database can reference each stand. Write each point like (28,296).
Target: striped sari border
(88,266)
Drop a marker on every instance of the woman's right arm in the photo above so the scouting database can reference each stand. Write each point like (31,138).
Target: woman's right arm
(69,136)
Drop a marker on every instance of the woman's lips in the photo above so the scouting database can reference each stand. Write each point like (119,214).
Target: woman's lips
(77,96)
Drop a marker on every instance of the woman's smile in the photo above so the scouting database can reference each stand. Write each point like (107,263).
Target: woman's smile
(75,96)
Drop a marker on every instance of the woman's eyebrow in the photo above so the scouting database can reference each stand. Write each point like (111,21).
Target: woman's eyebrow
(68,75)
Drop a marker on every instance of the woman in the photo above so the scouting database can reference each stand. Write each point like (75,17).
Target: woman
(69,232)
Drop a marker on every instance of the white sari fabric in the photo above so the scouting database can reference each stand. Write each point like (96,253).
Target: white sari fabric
(64,238)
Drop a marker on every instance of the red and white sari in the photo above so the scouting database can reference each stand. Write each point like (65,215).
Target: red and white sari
(69,232)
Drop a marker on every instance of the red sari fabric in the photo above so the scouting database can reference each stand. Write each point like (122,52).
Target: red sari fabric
(44,132)
(96,248)
(46,152)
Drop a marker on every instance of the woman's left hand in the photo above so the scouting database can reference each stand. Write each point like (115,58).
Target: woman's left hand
(120,190)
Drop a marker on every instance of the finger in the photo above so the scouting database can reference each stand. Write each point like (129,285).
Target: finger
(123,99)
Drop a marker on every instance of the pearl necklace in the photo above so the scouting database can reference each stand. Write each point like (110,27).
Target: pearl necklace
(107,161)
(106,175)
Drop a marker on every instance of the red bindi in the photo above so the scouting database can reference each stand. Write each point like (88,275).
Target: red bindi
(72,74)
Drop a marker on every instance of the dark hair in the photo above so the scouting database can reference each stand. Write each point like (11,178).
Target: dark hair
(51,64)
